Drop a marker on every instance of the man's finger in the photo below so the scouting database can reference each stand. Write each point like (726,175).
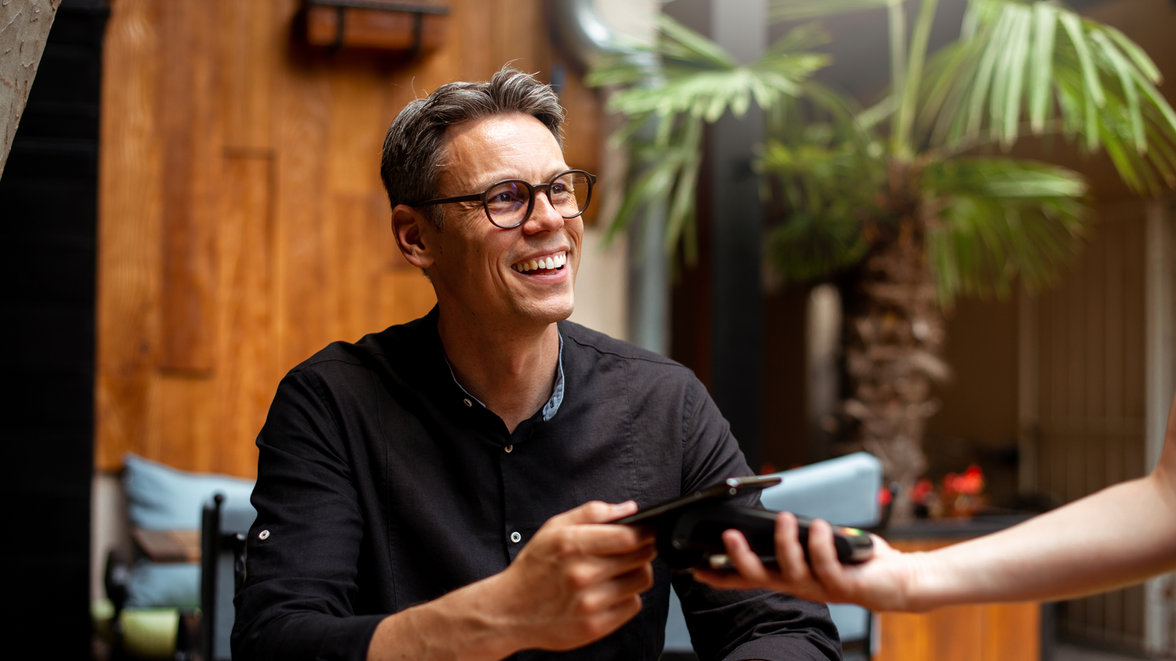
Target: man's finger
(595,511)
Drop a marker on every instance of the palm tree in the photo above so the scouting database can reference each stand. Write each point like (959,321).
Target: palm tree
(914,198)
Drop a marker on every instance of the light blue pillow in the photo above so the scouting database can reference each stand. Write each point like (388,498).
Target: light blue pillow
(163,584)
(160,497)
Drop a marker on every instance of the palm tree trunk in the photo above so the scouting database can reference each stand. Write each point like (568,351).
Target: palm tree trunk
(894,342)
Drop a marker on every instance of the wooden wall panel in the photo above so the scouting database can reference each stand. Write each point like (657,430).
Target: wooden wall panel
(979,632)
(188,88)
(253,39)
(246,276)
(1091,381)
(130,205)
(243,224)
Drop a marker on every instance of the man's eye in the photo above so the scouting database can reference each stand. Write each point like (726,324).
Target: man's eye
(511,194)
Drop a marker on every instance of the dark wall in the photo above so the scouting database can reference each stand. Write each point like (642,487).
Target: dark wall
(48,225)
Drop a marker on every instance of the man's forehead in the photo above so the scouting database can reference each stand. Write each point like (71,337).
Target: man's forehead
(496,147)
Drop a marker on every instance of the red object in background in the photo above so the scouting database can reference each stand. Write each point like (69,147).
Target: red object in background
(970,483)
(922,490)
(957,495)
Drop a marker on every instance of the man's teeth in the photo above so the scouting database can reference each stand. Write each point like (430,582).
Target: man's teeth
(546,263)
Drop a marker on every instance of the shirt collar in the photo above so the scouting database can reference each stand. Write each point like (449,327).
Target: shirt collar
(557,392)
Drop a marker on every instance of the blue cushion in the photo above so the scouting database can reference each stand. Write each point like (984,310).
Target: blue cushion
(163,584)
(841,490)
(160,497)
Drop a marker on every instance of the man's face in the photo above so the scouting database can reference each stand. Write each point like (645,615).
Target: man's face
(495,277)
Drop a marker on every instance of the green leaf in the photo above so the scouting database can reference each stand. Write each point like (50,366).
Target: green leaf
(1000,219)
(1041,64)
(1013,68)
(1139,58)
(1093,91)
(1122,69)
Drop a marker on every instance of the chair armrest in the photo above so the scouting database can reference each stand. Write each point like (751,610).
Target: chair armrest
(115,579)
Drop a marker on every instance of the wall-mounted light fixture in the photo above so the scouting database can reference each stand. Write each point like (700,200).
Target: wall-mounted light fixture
(405,27)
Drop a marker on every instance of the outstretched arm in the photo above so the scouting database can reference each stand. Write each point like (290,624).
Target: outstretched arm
(1115,537)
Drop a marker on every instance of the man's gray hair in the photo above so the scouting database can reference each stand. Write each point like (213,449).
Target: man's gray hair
(411,160)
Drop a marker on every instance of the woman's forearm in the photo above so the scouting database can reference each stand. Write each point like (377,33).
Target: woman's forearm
(1115,537)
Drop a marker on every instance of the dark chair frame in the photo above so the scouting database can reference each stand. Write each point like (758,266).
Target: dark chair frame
(215,545)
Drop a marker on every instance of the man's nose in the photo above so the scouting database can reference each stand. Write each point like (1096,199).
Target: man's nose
(544,216)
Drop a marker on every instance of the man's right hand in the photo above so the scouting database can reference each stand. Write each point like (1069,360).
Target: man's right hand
(579,578)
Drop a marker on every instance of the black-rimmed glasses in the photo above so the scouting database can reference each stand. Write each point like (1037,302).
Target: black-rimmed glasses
(508,203)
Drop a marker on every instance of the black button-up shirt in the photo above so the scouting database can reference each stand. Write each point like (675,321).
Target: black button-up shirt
(382,484)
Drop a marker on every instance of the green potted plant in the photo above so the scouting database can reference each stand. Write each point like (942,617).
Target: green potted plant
(914,197)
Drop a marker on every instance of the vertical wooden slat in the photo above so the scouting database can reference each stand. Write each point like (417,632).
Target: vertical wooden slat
(359,265)
(301,213)
(1011,632)
(129,232)
(191,138)
(251,43)
(356,125)
(1001,632)
(1092,430)
(248,369)
(1158,619)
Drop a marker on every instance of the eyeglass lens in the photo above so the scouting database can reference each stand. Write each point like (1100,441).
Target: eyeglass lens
(509,202)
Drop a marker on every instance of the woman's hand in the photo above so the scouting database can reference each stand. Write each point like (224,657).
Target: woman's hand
(882,583)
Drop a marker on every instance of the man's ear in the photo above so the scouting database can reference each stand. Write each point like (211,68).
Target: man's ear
(413,231)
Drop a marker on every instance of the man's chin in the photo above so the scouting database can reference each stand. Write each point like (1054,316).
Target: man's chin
(552,311)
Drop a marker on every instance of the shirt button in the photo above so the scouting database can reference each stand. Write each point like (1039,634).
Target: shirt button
(467,402)
(515,537)
(508,449)
(263,535)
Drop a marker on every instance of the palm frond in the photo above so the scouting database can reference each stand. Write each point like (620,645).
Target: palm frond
(998,220)
(1040,65)
(665,108)
(811,247)
(828,186)
(1025,69)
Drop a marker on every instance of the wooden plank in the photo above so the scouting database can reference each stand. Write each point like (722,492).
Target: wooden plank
(304,282)
(903,637)
(129,212)
(252,39)
(168,545)
(359,262)
(356,123)
(972,632)
(996,632)
(248,369)
(188,89)
(1012,631)
(182,429)
(402,292)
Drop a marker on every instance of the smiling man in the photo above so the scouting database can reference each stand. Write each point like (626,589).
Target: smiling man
(443,489)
